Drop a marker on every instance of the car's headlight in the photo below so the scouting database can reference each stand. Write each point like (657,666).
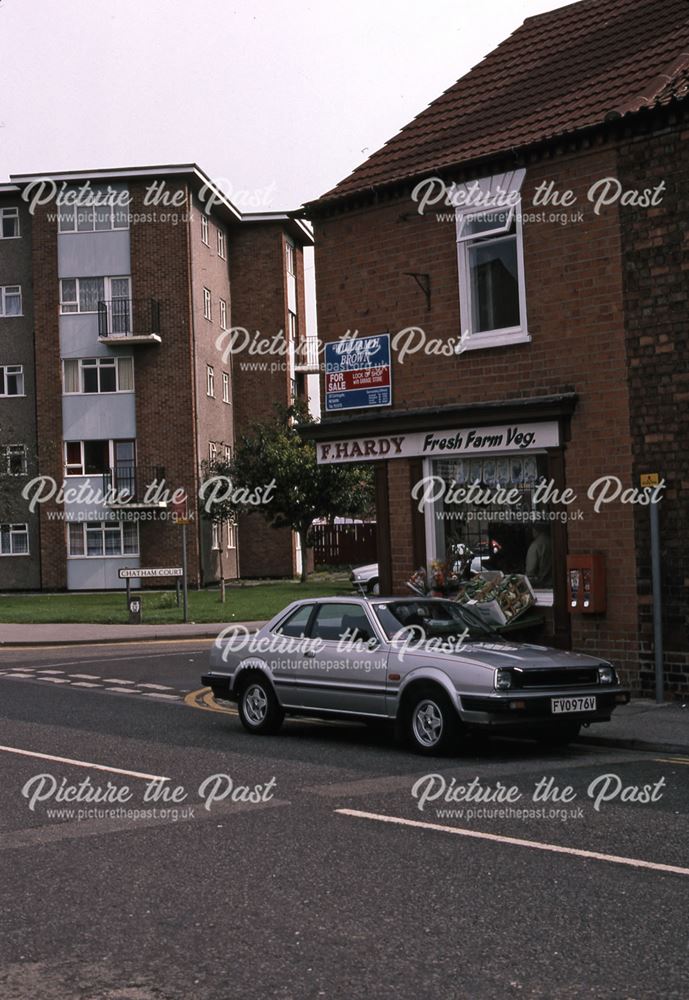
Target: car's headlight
(606,675)
(503,680)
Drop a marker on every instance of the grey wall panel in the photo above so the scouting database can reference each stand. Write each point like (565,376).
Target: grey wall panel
(93,255)
(99,574)
(98,415)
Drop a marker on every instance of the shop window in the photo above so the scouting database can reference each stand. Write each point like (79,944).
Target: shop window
(496,535)
(491,262)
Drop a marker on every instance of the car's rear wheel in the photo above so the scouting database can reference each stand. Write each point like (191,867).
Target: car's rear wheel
(259,709)
(558,736)
(430,723)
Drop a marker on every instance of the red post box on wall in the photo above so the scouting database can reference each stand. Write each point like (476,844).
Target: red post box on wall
(586,583)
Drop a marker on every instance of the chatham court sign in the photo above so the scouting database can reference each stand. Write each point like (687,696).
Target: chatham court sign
(435,444)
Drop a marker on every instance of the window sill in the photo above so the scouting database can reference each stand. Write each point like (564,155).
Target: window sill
(13,555)
(498,338)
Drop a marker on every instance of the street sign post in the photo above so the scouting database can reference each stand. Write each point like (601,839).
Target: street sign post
(134,603)
(649,480)
(181,511)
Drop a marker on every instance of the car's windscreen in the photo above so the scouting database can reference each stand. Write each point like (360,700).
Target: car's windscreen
(436,618)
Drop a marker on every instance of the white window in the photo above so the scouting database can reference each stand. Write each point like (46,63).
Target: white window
(98,456)
(98,539)
(212,452)
(14,540)
(223,314)
(91,375)
(204,228)
(102,209)
(491,262)
(227,450)
(13,459)
(9,223)
(11,380)
(207,309)
(225,387)
(210,381)
(221,243)
(82,295)
(215,535)
(231,535)
(292,327)
(10,300)
(289,257)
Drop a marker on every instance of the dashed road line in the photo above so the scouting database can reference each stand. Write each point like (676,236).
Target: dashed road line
(83,763)
(86,677)
(157,687)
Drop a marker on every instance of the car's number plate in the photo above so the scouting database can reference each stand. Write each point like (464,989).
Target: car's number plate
(583,703)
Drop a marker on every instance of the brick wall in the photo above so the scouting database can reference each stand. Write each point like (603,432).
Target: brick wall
(656,288)
(575,317)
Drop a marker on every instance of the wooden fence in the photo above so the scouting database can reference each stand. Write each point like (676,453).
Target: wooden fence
(344,544)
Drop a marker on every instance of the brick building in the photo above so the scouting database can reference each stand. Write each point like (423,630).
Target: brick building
(115,323)
(558,316)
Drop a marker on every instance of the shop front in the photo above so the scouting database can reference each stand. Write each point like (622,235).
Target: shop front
(467,491)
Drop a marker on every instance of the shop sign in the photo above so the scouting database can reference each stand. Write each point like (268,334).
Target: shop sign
(504,438)
(358,373)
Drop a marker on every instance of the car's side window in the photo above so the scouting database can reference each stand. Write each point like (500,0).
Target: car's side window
(295,625)
(341,621)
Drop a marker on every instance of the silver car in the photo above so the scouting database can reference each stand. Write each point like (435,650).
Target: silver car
(431,666)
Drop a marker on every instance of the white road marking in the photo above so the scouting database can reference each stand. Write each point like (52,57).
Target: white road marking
(83,763)
(516,841)
(115,680)
(50,671)
(22,670)
(86,677)
(85,684)
(55,680)
(154,694)
(157,687)
(126,690)
(28,677)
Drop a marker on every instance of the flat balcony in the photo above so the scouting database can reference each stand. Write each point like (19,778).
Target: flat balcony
(306,359)
(129,321)
(135,487)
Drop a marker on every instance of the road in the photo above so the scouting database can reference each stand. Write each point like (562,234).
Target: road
(335,883)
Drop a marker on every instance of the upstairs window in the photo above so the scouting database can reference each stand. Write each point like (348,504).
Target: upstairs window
(207,308)
(225,387)
(87,375)
(491,262)
(103,209)
(221,243)
(11,380)
(10,300)
(289,257)
(9,223)
(204,229)
(223,314)
(13,461)
(210,380)
(82,295)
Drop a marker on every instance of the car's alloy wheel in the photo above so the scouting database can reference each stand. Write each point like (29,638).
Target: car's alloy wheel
(259,709)
(433,726)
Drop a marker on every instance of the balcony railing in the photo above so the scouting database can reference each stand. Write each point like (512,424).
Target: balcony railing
(136,319)
(135,485)
(306,355)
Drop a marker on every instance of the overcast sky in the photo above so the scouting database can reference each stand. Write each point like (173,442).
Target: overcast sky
(279,98)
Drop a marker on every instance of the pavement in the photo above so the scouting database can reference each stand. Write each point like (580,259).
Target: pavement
(641,725)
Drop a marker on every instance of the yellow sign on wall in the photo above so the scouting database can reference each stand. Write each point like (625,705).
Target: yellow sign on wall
(650,479)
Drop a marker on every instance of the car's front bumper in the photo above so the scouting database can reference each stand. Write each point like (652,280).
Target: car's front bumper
(220,685)
(520,708)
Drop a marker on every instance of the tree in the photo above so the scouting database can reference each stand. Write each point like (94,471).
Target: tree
(218,505)
(275,471)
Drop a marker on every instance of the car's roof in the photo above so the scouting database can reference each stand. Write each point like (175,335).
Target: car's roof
(356,599)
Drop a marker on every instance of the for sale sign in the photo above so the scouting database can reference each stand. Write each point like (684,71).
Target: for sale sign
(357,373)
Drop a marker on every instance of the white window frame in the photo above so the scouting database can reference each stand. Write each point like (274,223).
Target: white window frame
(10,291)
(231,534)
(100,362)
(93,525)
(111,442)
(212,452)
(290,257)
(15,529)
(227,450)
(6,451)
(221,243)
(223,313)
(215,536)
(204,229)
(504,336)
(9,213)
(118,214)
(225,388)
(18,372)
(210,381)
(107,293)
(207,304)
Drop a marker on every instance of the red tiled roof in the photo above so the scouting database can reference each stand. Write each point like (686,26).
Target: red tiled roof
(559,72)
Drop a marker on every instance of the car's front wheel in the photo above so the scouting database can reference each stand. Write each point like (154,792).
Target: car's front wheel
(259,709)
(430,722)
